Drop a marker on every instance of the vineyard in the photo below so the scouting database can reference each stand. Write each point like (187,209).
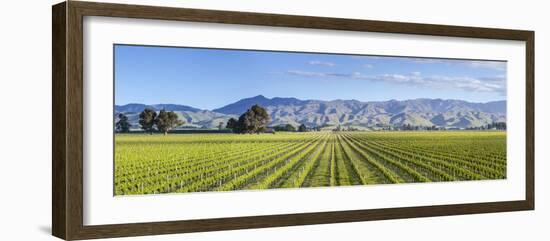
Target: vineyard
(152,164)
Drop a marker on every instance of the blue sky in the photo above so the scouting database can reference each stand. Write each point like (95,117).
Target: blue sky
(212,78)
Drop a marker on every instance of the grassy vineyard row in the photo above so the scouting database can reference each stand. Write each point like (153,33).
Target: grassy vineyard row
(146,164)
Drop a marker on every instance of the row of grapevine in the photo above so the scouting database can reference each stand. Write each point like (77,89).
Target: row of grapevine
(147,164)
(427,172)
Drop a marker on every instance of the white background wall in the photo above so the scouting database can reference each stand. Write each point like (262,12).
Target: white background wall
(25,97)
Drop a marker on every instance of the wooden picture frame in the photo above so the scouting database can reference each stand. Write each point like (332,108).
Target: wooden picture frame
(67,123)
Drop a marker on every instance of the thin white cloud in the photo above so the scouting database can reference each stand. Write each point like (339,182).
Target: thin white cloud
(478,64)
(482,64)
(491,84)
(322,63)
(306,73)
(496,84)
(315,74)
(425,60)
(368,66)
(496,65)
(366,57)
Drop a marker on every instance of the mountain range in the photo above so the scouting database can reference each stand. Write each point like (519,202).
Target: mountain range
(416,112)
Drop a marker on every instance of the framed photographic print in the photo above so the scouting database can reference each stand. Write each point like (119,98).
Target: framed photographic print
(171,120)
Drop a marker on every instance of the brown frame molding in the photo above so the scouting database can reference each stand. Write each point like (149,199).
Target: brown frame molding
(67,119)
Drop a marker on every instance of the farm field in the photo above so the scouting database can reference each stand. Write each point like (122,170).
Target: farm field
(181,163)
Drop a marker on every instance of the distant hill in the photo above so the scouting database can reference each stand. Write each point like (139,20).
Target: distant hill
(194,117)
(417,112)
(241,106)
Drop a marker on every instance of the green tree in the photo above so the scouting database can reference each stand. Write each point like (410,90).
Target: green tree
(254,120)
(287,127)
(232,124)
(167,120)
(147,120)
(122,125)
(302,128)
(242,126)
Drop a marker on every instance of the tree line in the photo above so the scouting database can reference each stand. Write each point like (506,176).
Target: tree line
(291,128)
(409,127)
(150,121)
(491,126)
(256,119)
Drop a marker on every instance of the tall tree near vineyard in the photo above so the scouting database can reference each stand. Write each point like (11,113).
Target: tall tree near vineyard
(147,120)
(122,125)
(254,120)
(233,124)
(302,128)
(167,120)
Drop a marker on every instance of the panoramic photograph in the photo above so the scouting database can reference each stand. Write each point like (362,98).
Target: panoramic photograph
(204,120)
